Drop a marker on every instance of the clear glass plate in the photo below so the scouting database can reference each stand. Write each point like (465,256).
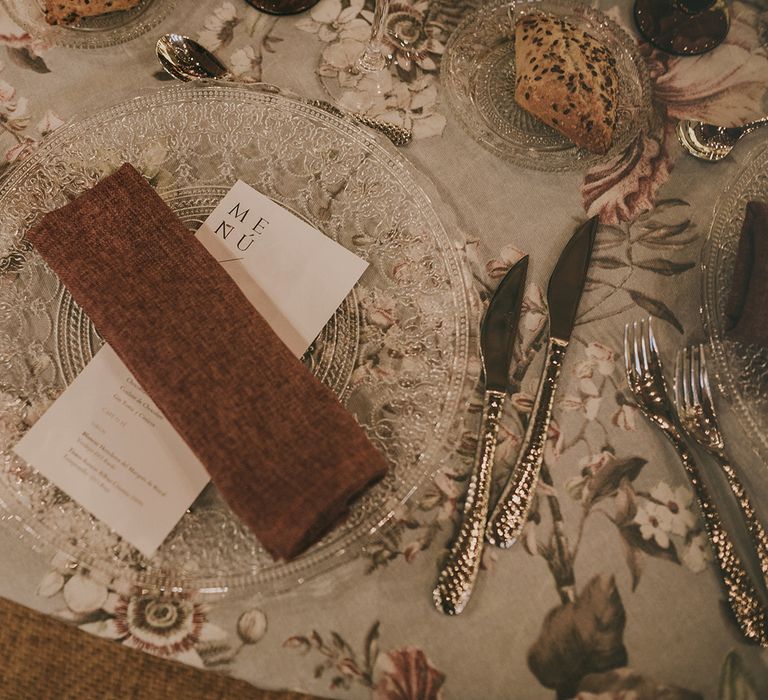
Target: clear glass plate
(741,370)
(89,32)
(395,352)
(478,72)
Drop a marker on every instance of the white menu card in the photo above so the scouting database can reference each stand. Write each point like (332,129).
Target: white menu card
(106,444)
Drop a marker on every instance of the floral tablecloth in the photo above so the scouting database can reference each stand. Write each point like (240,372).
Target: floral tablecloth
(612,593)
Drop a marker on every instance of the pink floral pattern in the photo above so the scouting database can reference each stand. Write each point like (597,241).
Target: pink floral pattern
(407,674)
(170,626)
(606,486)
(725,86)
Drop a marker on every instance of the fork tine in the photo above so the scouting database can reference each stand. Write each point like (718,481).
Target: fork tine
(640,357)
(689,379)
(678,385)
(654,348)
(706,389)
(650,349)
(695,375)
(634,359)
(627,356)
(641,349)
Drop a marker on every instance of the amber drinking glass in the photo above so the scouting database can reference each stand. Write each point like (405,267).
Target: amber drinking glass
(282,7)
(683,27)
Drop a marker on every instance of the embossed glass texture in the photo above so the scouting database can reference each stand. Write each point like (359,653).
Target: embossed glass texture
(741,371)
(89,32)
(478,73)
(395,352)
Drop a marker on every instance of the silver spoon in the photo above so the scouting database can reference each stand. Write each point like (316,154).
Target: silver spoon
(185,59)
(710,142)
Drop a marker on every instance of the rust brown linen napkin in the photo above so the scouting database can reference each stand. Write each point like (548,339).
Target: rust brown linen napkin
(284,453)
(45,659)
(746,310)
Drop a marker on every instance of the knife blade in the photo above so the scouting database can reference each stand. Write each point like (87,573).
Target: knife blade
(563,295)
(497,335)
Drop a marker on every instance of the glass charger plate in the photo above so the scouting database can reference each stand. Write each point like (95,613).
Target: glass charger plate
(478,72)
(395,352)
(741,370)
(90,32)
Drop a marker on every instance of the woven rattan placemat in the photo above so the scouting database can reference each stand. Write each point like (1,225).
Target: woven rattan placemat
(44,659)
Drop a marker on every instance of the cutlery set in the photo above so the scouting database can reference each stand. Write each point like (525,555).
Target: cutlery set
(694,417)
(499,330)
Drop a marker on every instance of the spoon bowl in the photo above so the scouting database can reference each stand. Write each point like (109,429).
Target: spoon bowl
(711,142)
(185,59)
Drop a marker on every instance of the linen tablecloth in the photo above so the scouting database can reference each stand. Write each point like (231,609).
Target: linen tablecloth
(612,588)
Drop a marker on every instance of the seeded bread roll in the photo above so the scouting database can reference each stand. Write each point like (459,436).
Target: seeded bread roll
(69,11)
(566,78)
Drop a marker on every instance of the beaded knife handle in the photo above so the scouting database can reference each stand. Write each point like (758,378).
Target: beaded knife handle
(459,573)
(509,516)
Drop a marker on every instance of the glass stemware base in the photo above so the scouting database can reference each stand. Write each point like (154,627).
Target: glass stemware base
(683,27)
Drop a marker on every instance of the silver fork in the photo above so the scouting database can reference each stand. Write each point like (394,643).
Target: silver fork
(646,380)
(696,409)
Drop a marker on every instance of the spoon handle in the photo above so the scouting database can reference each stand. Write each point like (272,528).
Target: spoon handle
(399,135)
(756,124)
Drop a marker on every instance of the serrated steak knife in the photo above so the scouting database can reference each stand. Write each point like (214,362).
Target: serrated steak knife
(565,287)
(497,336)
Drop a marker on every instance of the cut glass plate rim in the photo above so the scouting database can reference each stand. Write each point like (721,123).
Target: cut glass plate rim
(751,180)
(319,559)
(555,158)
(90,33)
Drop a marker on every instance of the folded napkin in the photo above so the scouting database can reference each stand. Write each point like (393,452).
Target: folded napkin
(284,453)
(746,310)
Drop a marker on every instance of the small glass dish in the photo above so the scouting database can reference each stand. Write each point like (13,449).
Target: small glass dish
(478,73)
(90,32)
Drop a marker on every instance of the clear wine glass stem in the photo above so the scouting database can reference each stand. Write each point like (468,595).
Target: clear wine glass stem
(375,58)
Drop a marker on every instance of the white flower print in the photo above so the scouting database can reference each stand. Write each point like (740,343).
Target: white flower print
(600,358)
(677,501)
(655,523)
(50,122)
(83,595)
(252,626)
(697,553)
(330,21)
(219,27)
(625,418)
(14,111)
(243,61)
(508,256)
(170,627)
(588,405)
(21,150)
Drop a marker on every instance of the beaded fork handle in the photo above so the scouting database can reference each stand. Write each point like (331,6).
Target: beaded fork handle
(742,596)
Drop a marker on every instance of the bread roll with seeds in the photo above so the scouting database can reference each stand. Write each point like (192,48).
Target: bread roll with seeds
(69,11)
(566,78)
